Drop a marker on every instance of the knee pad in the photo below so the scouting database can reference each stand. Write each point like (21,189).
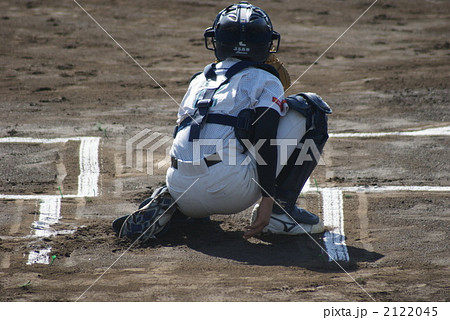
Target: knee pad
(316,111)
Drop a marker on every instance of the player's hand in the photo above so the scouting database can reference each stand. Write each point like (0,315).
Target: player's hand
(262,218)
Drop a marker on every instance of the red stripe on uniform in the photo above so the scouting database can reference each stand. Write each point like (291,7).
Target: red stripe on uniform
(279,103)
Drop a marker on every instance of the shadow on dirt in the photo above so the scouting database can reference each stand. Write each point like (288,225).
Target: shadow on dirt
(300,251)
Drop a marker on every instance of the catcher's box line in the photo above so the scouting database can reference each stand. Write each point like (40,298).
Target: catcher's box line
(333,213)
(332,198)
(40,256)
(437,131)
(390,189)
(88,164)
(333,219)
(89,152)
(50,205)
(333,216)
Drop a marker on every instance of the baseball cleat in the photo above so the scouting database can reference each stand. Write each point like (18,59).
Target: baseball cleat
(150,220)
(284,224)
(303,216)
(298,214)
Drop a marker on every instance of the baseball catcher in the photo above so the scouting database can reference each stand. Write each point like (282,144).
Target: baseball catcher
(238,140)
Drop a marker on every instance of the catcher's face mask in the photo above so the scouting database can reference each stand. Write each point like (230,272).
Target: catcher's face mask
(242,31)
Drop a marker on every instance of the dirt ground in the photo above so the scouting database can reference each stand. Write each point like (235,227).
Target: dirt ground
(63,76)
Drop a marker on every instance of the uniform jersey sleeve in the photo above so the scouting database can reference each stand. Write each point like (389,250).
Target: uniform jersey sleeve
(266,91)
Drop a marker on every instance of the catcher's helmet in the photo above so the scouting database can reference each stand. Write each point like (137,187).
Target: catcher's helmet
(242,31)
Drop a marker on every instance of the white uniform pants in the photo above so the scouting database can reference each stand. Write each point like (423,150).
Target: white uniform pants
(200,191)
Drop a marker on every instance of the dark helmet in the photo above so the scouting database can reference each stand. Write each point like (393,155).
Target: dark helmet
(242,31)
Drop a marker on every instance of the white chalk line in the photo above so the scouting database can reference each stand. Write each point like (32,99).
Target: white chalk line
(439,131)
(333,201)
(42,140)
(333,219)
(40,256)
(50,205)
(373,189)
(333,213)
(49,214)
(89,168)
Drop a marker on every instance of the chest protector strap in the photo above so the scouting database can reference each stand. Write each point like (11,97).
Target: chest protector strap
(205,101)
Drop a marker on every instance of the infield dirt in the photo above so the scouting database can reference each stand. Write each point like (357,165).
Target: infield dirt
(62,76)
